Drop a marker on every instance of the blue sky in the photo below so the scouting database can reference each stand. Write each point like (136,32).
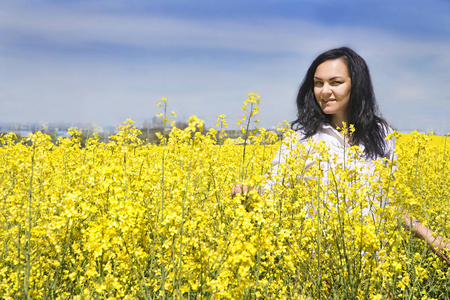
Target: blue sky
(105,61)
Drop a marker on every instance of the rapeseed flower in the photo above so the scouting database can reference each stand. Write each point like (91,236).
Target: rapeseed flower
(127,219)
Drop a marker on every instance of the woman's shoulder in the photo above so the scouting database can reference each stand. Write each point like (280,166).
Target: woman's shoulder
(389,139)
(295,136)
(383,126)
(301,135)
(321,133)
(387,132)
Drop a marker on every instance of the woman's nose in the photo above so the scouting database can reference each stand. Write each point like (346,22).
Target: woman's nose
(326,89)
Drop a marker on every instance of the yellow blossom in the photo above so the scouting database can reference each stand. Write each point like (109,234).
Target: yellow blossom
(122,218)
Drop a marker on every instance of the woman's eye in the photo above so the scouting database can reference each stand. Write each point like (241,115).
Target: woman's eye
(318,83)
(337,82)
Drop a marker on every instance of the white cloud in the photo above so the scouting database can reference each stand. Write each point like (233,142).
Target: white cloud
(83,86)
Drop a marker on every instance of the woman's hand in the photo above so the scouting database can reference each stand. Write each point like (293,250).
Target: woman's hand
(240,189)
(244,189)
(437,244)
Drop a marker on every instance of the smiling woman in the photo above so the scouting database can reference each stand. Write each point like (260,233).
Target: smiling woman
(332,85)
(337,90)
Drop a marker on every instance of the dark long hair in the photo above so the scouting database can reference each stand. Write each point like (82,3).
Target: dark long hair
(370,128)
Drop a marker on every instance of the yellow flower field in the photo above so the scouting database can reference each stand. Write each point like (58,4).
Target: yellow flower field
(132,220)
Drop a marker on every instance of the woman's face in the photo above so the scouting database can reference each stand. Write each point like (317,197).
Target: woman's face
(332,86)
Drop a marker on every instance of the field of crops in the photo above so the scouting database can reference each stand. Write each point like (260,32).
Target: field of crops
(132,220)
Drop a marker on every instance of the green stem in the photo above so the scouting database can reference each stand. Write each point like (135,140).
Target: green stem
(26,282)
(245,142)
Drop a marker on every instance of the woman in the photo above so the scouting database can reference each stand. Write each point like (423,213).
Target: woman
(337,90)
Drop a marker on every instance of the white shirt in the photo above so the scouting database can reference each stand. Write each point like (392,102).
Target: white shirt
(337,146)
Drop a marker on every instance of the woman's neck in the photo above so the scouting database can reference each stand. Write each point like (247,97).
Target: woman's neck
(337,121)
(339,125)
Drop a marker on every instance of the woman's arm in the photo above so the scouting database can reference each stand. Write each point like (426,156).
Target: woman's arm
(437,243)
